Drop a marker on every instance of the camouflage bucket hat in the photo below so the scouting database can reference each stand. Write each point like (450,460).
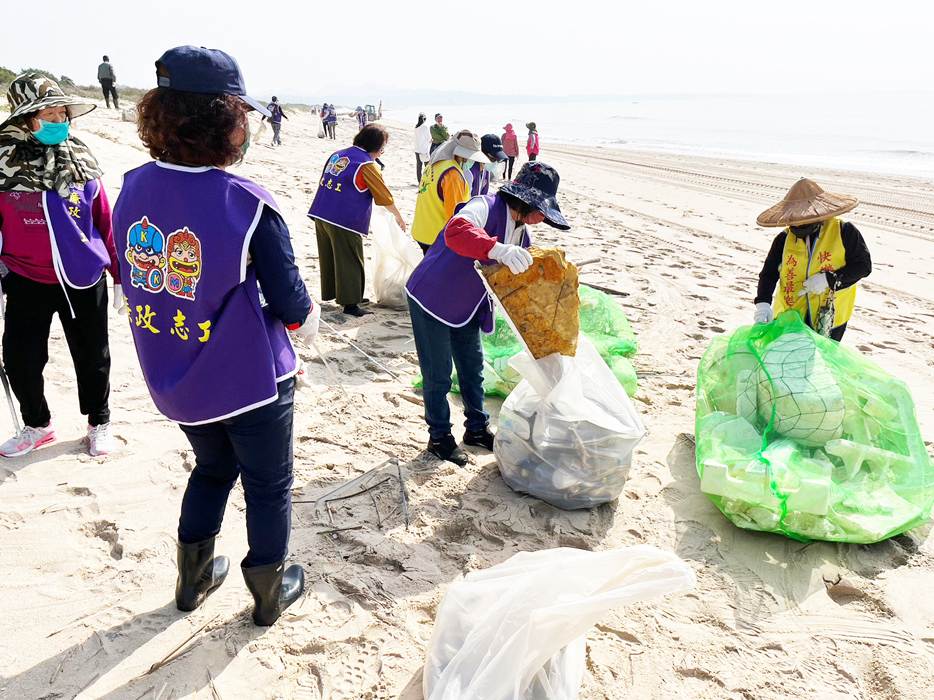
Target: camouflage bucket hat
(31,92)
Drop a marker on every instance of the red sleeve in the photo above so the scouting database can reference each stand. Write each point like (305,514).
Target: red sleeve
(465,239)
(103,221)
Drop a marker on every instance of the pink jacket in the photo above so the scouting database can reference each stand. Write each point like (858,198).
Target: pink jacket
(531,145)
(510,141)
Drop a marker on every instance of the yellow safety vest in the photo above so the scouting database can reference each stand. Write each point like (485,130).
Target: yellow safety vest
(430,215)
(799,263)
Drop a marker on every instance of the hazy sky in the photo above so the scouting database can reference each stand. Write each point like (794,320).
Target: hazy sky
(502,46)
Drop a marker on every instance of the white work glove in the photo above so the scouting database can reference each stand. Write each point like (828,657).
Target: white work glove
(308,331)
(301,376)
(815,284)
(4,270)
(119,299)
(515,257)
(763,313)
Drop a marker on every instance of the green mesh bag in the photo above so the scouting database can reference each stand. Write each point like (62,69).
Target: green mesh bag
(799,435)
(601,321)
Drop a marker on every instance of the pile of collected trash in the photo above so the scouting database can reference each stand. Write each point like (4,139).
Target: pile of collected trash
(799,435)
(601,321)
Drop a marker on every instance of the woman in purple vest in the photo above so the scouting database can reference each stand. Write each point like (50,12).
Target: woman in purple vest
(350,184)
(197,243)
(56,244)
(450,306)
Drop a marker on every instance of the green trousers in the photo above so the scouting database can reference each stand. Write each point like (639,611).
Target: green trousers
(340,258)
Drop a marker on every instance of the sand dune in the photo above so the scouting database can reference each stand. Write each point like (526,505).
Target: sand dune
(87,570)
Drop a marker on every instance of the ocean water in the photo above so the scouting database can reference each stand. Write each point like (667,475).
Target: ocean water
(885,133)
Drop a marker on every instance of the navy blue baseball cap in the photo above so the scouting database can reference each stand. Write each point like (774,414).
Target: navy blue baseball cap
(492,147)
(206,71)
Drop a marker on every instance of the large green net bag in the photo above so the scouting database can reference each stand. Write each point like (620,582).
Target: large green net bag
(799,435)
(601,321)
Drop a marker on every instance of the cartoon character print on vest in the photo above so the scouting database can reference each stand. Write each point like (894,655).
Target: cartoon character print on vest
(336,165)
(184,262)
(145,251)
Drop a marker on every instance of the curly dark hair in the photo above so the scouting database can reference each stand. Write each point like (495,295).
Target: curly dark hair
(190,128)
(371,138)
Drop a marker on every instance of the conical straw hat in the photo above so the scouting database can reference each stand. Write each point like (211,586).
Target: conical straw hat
(806,203)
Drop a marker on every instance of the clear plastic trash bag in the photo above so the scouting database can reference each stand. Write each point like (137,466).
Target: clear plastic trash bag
(567,432)
(516,631)
(395,255)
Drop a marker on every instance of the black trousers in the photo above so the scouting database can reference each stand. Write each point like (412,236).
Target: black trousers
(533,156)
(511,160)
(418,168)
(255,446)
(107,87)
(29,311)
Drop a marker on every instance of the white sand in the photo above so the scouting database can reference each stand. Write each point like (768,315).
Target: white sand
(87,569)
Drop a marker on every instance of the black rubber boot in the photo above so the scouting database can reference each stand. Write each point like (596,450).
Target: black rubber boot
(446,448)
(273,590)
(199,573)
(479,438)
(354,310)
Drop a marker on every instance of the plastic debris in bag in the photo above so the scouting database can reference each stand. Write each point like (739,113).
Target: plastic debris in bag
(799,435)
(516,631)
(567,432)
(602,322)
(395,255)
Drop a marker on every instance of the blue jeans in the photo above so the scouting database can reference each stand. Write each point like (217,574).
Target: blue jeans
(257,447)
(437,345)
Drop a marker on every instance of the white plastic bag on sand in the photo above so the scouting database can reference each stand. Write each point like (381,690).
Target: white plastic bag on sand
(320,128)
(516,631)
(395,255)
(567,432)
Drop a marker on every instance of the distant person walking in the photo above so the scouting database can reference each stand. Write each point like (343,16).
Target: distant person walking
(350,184)
(275,110)
(361,118)
(108,80)
(422,144)
(439,133)
(329,113)
(510,148)
(531,146)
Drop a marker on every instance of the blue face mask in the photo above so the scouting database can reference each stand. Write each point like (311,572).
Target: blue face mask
(51,133)
(468,164)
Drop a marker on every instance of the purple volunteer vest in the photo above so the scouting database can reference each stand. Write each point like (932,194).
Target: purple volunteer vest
(208,347)
(338,201)
(78,251)
(446,284)
(481,180)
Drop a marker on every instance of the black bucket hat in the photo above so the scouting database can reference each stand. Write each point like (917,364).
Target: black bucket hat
(536,184)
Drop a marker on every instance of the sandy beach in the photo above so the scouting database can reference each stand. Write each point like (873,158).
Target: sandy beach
(87,545)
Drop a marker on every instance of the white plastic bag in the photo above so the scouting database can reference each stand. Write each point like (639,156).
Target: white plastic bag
(517,631)
(321,128)
(567,431)
(395,255)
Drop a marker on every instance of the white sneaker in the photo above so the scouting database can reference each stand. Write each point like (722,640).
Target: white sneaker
(100,440)
(28,440)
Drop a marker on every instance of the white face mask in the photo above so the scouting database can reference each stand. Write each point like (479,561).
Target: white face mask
(495,169)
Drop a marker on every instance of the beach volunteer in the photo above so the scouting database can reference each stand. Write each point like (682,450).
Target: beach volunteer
(817,255)
(55,245)
(444,185)
(196,243)
(350,184)
(450,306)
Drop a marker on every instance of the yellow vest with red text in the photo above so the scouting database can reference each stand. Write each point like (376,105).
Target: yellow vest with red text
(799,263)
(430,214)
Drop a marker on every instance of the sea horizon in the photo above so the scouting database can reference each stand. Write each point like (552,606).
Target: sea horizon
(872,132)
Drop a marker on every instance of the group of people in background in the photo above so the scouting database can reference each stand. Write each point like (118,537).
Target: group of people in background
(429,137)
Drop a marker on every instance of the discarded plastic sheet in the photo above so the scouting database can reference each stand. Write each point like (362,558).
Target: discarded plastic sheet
(799,435)
(516,631)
